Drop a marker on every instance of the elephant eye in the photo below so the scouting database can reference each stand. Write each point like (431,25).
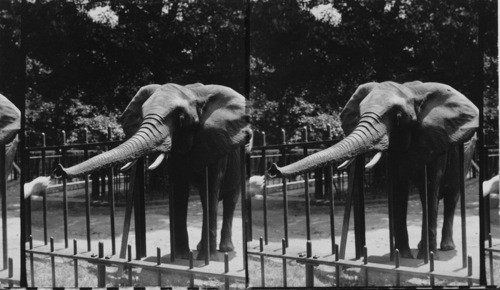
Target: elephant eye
(181,120)
(399,116)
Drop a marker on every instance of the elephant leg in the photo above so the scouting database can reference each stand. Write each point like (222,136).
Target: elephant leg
(434,177)
(450,203)
(215,175)
(451,194)
(400,210)
(229,203)
(400,200)
(179,207)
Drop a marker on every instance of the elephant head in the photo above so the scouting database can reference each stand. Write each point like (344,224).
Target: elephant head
(202,121)
(421,119)
(10,123)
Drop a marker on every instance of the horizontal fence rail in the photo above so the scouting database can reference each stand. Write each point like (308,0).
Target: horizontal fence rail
(326,186)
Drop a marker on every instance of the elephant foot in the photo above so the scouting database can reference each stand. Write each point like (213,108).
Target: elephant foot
(406,253)
(182,253)
(226,246)
(447,245)
(202,255)
(421,254)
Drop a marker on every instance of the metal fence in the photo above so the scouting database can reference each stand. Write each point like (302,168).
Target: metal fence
(491,217)
(135,200)
(262,249)
(330,186)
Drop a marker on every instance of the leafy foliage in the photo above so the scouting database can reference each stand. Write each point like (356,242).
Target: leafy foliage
(88,58)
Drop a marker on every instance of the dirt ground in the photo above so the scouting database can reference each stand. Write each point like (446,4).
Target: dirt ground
(158,235)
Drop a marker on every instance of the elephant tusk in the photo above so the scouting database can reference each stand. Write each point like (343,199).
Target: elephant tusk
(374,160)
(345,164)
(157,162)
(128,165)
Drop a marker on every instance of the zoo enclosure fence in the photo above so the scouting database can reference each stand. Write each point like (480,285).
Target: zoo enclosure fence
(111,182)
(355,197)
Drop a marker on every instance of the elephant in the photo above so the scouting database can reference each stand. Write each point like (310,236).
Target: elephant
(195,127)
(417,124)
(10,123)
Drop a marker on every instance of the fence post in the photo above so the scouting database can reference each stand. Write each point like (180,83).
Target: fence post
(264,187)
(285,198)
(139,210)
(44,197)
(244,214)
(462,202)
(3,192)
(329,192)
(87,195)
(27,177)
(111,200)
(309,267)
(101,269)
(359,204)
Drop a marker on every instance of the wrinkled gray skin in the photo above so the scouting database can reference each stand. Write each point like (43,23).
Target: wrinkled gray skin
(417,124)
(196,126)
(10,123)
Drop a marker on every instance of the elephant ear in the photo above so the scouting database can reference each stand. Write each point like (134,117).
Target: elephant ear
(131,118)
(224,125)
(10,120)
(445,118)
(350,114)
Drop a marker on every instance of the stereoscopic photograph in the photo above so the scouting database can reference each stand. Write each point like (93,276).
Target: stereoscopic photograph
(237,144)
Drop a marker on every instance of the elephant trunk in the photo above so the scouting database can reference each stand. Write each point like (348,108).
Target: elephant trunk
(368,135)
(149,138)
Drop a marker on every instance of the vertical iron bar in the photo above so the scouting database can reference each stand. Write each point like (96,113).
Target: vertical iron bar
(248,164)
(87,193)
(490,244)
(44,197)
(462,202)
(129,258)
(139,210)
(65,212)
(226,269)
(11,272)
(27,202)
(285,197)
(264,188)
(359,207)
(337,267)
(431,260)
(309,267)
(283,252)
(32,265)
(329,192)
(191,276)
(244,214)
(3,192)
(390,163)
(111,199)
(347,211)
(306,189)
(207,219)
(262,269)
(158,262)
(469,270)
(365,261)
(398,277)
(101,268)
(52,262)
(425,222)
(75,262)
